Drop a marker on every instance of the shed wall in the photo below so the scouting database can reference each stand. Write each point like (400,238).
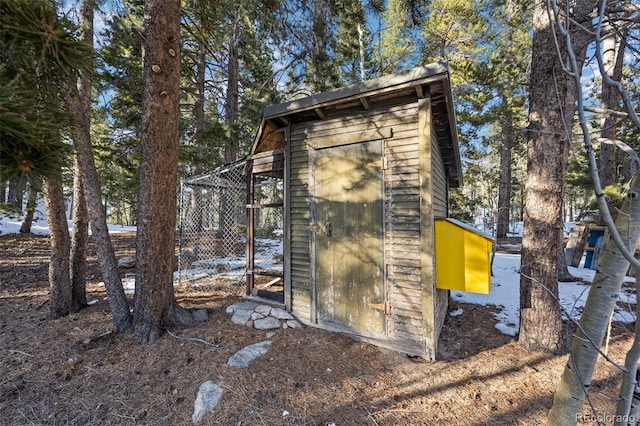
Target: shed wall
(402,214)
(440,210)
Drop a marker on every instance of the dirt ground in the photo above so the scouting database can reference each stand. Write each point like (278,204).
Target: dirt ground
(73,370)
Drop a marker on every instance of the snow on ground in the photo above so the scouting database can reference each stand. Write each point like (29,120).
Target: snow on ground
(11,225)
(504,295)
(268,255)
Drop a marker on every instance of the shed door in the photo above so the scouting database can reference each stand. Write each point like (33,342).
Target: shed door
(349,237)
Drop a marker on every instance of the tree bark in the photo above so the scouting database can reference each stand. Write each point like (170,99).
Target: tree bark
(14,197)
(60,302)
(613,62)
(563,269)
(504,188)
(552,105)
(155,306)
(79,240)
(195,211)
(32,201)
(79,100)
(198,106)
(540,319)
(233,88)
(225,230)
(603,295)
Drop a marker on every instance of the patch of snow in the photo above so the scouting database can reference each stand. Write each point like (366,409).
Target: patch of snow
(505,294)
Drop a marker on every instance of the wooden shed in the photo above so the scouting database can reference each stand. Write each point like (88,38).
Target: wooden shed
(366,171)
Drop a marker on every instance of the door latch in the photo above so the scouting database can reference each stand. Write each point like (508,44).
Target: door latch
(384,307)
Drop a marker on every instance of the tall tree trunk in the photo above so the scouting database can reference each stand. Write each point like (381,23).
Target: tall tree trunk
(603,295)
(79,100)
(195,210)
(613,54)
(363,75)
(14,198)
(154,304)
(504,188)
(32,201)
(79,240)
(233,87)
(198,106)
(231,119)
(540,319)
(61,301)
(552,106)
(322,77)
(563,269)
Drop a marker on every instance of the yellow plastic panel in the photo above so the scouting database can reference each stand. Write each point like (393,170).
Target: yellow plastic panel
(462,257)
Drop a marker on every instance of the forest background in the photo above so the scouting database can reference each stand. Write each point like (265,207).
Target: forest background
(237,57)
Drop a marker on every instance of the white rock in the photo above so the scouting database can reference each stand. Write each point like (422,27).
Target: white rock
(293,324)
(208,398)
(256,316)
(281,314)
(265,310)
(248,305)
(244,356)
(241,316)
(268,323)
(456,313)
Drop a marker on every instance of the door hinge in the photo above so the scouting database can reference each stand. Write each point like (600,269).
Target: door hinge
(384,307)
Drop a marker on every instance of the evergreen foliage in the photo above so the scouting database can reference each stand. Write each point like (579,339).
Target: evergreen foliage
(39,52)
(286,49)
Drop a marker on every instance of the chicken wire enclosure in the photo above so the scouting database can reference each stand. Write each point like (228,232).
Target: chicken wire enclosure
(265,248)
(213,227)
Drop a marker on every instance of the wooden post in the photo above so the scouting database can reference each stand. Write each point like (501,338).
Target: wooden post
(574,236)
(286,218)
(427,240)
(579,247)
(250,230)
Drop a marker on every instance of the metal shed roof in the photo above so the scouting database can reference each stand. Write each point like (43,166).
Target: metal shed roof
(405,87)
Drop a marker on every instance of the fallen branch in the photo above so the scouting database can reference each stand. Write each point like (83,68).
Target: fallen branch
(194,339)
(19,352)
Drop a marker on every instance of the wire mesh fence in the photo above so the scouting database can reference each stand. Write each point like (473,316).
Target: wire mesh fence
(213,228)
(268,224)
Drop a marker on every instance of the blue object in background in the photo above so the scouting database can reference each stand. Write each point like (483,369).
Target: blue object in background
(595,240)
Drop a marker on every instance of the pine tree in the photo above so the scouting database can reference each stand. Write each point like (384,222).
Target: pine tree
(88,195)
(551,113)
(40,54)
(155,305)
(398,47)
